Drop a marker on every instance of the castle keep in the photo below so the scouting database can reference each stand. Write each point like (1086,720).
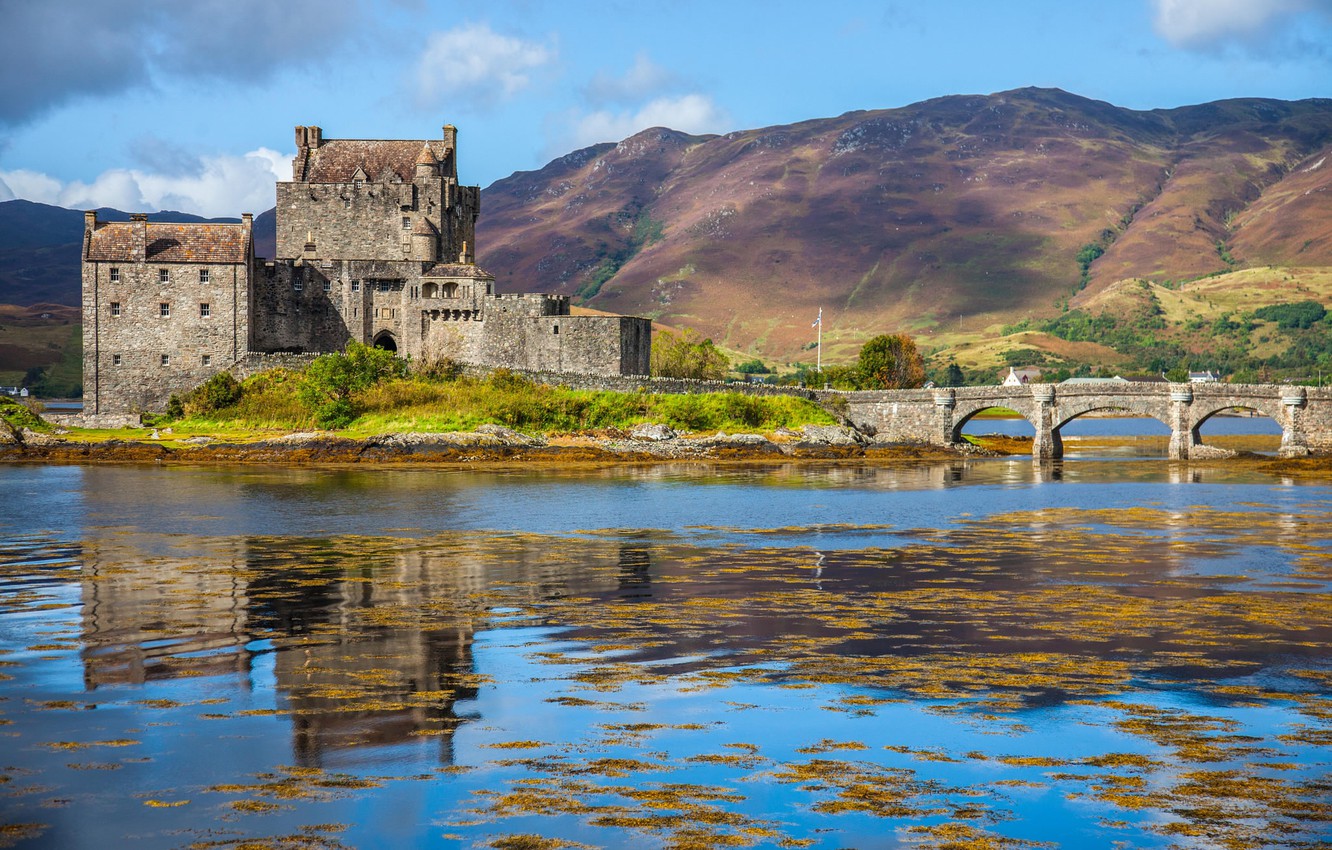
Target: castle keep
(375,243)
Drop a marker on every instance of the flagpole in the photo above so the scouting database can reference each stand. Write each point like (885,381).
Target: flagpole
(819,350)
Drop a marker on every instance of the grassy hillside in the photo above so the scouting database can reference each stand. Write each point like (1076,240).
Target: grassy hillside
(42,346)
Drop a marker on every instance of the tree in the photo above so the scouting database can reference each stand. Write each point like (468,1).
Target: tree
(891,362)
(953,376)
(687,355)
(331,381)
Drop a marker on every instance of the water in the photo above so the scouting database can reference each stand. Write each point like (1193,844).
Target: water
(690,655)
(1140,436)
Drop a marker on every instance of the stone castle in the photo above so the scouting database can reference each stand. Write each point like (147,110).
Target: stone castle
(374,244)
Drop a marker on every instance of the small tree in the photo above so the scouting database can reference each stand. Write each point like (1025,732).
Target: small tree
(687,355)
(953,376)
(332,380)
(891,362)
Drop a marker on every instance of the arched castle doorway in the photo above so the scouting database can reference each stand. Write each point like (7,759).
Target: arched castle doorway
(386,341)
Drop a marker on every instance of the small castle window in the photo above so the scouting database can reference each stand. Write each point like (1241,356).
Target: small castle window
(115,275)
(164,310)
(406,222)
(206,360)
(166,359)
(115,359)
(298,284)
(205,310)
(163,276)
(328,286)
(356,286)
(555,330)
(115,308)
(203,275)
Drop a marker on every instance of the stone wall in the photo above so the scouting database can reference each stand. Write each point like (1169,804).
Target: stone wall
(604,345)
(134,361)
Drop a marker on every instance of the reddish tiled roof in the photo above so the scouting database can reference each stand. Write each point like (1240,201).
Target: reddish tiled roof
(171,243)
(336,160)
(457,270)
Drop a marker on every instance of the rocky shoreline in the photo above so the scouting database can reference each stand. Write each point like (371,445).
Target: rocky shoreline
(487,444)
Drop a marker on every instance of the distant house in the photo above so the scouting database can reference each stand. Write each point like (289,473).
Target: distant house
(1018,377)
(1203,377)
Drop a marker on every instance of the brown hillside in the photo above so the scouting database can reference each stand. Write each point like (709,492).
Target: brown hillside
(951,214)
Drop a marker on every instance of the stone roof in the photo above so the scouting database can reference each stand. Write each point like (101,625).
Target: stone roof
(467,270)
(336,160)
(170,243)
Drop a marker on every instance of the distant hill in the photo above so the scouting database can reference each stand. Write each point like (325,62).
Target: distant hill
(942,218)
(954,219)
(40,245)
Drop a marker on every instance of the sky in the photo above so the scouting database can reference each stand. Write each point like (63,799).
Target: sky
(190,104)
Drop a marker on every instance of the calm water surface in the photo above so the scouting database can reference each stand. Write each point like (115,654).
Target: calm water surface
(984,654)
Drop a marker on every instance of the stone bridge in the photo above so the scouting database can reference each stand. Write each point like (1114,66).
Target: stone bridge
(937,415)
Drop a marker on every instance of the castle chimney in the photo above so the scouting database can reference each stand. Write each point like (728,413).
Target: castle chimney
(451,148)
(315,136)
(139,237)
(302,139)
(90,219)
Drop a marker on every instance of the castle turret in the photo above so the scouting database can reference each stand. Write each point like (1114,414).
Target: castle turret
(425,241)
(427,165)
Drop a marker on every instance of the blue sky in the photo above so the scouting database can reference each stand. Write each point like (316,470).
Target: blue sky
(190,104)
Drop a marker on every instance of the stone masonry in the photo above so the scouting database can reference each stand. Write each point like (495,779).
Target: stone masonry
(937,416)
(375,242)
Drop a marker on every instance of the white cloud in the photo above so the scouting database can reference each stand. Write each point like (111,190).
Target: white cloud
(691,113)
(52,54)
(1204,23)
(225,185)
(6,194)
(644,79)
(475,63)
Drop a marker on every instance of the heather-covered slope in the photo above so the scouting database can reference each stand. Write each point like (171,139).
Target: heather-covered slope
(950,215)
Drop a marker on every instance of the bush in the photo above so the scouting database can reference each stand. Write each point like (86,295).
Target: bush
(331,382)
(687,355)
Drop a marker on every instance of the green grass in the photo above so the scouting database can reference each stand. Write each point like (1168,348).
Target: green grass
(425,404)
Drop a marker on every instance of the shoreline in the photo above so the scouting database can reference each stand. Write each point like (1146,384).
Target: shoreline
(498,446)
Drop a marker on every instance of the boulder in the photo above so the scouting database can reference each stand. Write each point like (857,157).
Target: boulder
(652,431)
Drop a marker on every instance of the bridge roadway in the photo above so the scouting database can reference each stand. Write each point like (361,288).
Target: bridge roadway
(937,415)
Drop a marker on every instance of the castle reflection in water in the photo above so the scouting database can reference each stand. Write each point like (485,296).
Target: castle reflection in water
(368,651)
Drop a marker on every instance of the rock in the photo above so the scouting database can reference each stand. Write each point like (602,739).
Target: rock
(29,437)
(298,437)
(508,436)
(197,441)
(833,435)
(724,439)
(154,435)
(652,431)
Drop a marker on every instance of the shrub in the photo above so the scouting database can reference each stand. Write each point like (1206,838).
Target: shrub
(687,355)
(332,380)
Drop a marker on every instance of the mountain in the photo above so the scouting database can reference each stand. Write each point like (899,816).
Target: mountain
(941,218)
(40,248)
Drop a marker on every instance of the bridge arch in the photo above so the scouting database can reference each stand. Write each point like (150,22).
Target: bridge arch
(1068,413)
(1265,408)
(966,411)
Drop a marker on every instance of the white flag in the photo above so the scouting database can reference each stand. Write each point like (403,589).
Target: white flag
(819,320)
